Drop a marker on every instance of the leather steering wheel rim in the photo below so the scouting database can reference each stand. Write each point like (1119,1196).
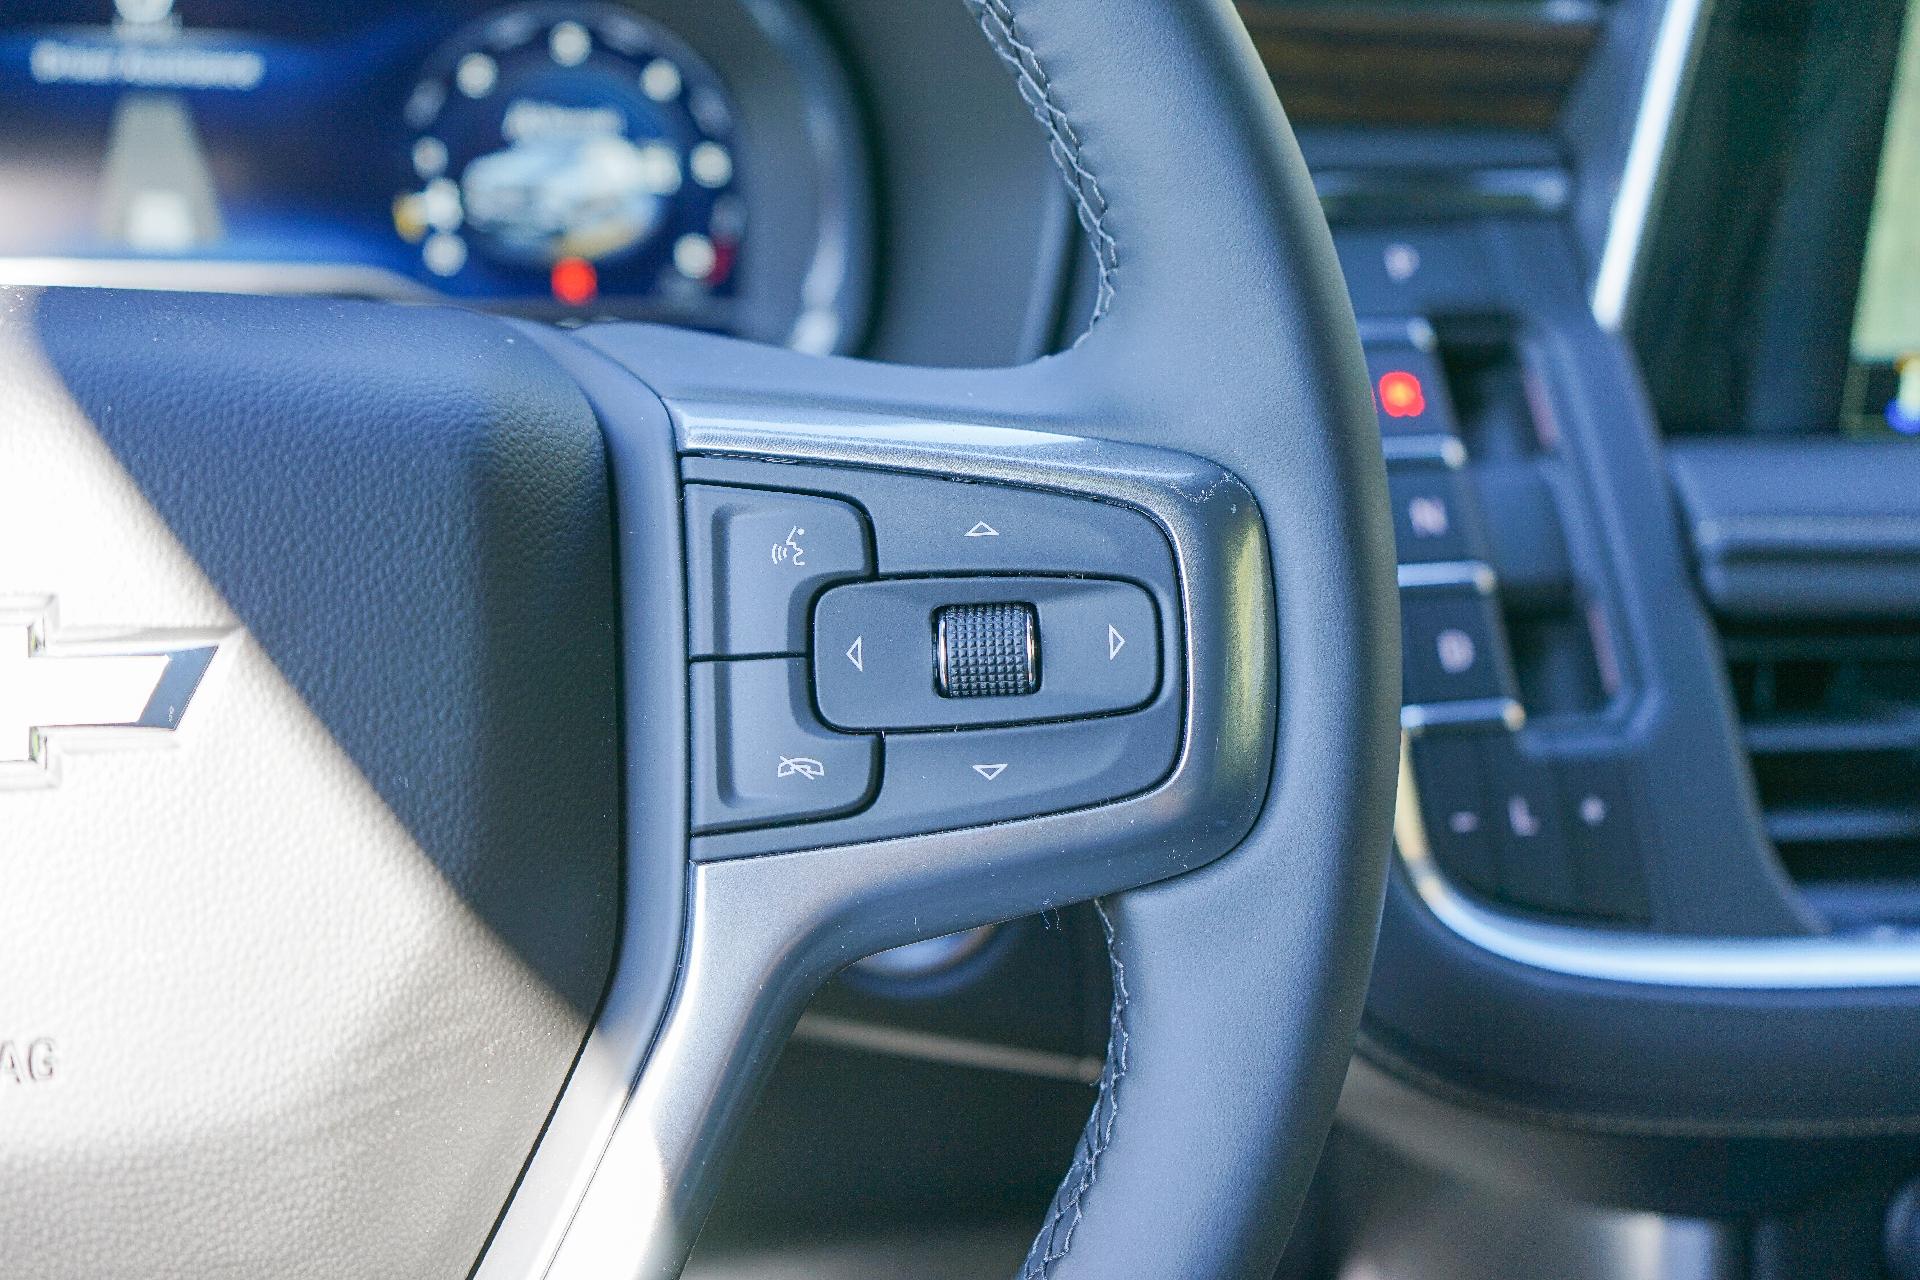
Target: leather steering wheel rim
(1238,986)
(388,534)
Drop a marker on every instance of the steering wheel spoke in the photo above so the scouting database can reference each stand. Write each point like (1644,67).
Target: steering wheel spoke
(1138,748)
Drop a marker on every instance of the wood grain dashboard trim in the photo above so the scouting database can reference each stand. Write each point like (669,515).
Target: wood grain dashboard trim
(1493,66)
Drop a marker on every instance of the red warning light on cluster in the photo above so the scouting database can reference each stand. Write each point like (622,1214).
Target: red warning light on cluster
(1401,395)
(575,282)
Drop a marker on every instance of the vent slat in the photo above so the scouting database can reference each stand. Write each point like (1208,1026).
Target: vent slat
(1843,824)
(1830,715)
(1891,729)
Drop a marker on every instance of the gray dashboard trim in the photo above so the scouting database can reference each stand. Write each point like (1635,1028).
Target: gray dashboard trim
(1676,46)
(1800,964)
(835,289)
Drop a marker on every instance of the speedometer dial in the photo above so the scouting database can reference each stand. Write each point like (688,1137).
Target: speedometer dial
(575,151)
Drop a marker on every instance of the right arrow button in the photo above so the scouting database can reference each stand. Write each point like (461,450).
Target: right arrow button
(1099,645)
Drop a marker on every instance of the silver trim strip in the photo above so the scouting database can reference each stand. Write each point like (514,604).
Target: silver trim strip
(1415,331)
(954,1051)
(1675,47)
(1504,712)
(205,275)
(1430,448)
(1798,964)
(1448,573)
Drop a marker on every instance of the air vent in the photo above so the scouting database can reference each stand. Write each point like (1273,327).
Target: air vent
(1807,552)
(1832,722)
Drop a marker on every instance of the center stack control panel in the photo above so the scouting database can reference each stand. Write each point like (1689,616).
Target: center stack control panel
(1505,813)
(878,654)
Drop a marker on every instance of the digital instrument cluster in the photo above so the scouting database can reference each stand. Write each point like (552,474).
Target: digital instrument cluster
(579,148)
(693,161)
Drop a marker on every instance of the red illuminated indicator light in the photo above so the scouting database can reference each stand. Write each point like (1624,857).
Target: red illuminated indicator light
(1401,395)
(575,282)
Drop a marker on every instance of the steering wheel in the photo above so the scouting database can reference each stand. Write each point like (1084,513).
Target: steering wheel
(430,795)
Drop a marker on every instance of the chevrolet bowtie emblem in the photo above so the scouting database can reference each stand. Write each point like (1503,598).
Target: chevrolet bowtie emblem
(107,688)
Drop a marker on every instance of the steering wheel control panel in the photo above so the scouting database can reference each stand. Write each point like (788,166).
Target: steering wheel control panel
(1499,816)
(877,654)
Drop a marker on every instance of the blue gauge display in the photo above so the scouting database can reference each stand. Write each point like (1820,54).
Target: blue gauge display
(560,160)
(574,150)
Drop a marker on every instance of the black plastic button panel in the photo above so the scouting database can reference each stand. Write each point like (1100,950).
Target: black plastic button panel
(1453,648)
(1596,799)
(1456,810)
(1430,520)
(938,781)
(1553,837)
(876,651)
(759,754)
(851,737)
(1409,388)
(923,525)
(755,561)
(1502,818)
(1531,846)
(1457,667)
